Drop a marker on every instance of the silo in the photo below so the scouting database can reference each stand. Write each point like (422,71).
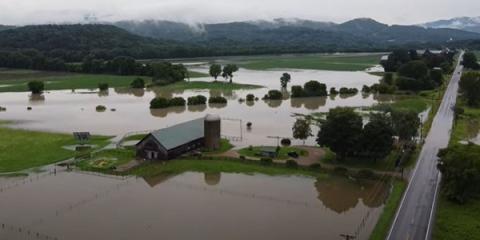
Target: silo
(212,130)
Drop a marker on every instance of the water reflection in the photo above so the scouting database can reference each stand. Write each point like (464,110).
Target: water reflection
(342,194)
(161,113)
(217,105)
(313,103)
(197,108)
(212,179)
(137,92)
(36,98)
(273,103)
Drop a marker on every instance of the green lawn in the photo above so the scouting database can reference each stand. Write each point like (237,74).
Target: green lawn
(16,80)
(348,62)
(455,221)
(107,159)
(467,125)
(217,166)
(20,149)
(386,218)
(282,154)
(225,145)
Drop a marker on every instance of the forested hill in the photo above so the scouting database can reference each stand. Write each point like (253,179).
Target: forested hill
(74,42)
(296,32)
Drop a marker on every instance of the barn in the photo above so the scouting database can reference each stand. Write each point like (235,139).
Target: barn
(169,143)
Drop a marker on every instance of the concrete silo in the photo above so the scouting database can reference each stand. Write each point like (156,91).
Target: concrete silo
(212,130)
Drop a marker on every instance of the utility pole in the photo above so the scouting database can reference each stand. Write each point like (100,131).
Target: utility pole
(347,237)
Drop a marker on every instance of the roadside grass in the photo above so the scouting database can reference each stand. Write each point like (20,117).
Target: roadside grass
(282,154)
(385,164)
(456,221)
(216,166)
(16,80)
(414,103)
(21,149)
(467,126)
(382,227)
(348,62)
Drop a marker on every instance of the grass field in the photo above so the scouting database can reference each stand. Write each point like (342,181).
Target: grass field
(20,149)
(383,225)
(16,80)
(467,125)
(107,159)
(348,62)
(282,154)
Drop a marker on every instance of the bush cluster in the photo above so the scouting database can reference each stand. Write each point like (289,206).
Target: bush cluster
(218,100)
(310,89)
(103,86)
(160,102)
(345,90)
(197,100)
(273,95)
(138,83)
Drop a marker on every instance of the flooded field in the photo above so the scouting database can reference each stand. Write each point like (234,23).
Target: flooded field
(78,206)
(67,111)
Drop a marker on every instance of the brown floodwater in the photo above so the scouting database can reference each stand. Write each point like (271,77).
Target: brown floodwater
(78,206)
(67,111)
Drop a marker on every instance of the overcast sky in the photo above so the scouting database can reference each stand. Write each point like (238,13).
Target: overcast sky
(22,12)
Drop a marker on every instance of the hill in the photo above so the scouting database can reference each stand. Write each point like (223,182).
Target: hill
(471,24)
(295,32)
(73,42)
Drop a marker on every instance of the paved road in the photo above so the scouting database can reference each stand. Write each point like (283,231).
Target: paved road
(415,216)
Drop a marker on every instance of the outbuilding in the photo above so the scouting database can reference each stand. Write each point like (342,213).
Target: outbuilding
(169,143)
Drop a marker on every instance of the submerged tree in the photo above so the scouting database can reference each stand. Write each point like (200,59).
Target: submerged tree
(36,87)
(228,71)
(285,79)
(215,71)
(301,129)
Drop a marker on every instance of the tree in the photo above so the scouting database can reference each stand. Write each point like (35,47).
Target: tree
(341,131)
(165,73)
(460,166)
(395,60)
(377,136)
(215,70)
(301,129)
(285,79)
(470,87)
(437,76)
(315,89)
(414,69)
(137,83)
(36,87)
(228,71)
(405,124)
(470,61)
(273,95)
(103,86)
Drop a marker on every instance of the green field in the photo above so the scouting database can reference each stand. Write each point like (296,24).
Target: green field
(348,62)
(16,80)
(467,125)
(21,149)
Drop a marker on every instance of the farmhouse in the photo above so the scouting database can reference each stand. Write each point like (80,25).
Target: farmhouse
(171,142)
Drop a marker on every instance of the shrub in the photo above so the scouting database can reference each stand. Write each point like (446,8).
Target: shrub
(266,161)
(159,102)
(250,97)
(286,142)
(36,87)
(366,174)
(176,102)
(217,99)
(197,100)
(366,89)
(291,164)
(138,83)
(333,91)
(274,95)
(3,109)
(345,90)
(101,108)
(297,92)
(103,86)
(249,125)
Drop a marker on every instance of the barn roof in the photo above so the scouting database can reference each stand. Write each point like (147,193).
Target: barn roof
(180,134)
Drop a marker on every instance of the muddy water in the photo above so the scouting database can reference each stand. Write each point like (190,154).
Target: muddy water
(78,206)
(66,111)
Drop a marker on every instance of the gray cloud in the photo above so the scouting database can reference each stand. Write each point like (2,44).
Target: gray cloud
(388,11)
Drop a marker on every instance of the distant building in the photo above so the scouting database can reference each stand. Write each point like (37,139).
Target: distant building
(171,142)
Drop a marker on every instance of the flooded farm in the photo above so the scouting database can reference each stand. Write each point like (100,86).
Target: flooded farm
(81,205)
